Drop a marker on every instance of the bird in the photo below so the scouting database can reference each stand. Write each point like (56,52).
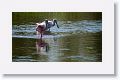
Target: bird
(45,25)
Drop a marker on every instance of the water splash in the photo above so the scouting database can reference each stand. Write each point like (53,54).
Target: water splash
(73,27)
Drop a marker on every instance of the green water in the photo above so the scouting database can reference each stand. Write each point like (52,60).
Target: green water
(74,48)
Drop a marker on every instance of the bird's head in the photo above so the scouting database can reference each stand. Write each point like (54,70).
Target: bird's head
(55,21)
(37,24)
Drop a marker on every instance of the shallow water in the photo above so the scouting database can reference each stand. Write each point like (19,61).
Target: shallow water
(74,41)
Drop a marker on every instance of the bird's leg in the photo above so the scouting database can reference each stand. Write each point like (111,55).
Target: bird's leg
(37,34)
(41,36)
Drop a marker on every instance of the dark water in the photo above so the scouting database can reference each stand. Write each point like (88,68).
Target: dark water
(74,41)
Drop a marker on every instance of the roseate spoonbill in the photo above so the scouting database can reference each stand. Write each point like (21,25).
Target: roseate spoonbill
(45,25)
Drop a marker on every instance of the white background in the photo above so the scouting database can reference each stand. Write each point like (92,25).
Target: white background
(104,67)
(78,77)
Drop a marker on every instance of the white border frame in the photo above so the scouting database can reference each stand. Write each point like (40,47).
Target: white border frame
(104,67)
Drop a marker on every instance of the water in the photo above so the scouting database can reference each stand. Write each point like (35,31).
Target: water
(74,41)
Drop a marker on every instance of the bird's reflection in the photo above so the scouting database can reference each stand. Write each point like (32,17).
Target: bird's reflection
(41,46)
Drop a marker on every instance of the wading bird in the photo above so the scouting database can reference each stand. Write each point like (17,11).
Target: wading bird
(45,25)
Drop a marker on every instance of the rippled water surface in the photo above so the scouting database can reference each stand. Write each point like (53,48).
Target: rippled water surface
(74,41)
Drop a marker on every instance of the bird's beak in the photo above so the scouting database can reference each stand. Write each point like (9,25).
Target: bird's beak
(57,26)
